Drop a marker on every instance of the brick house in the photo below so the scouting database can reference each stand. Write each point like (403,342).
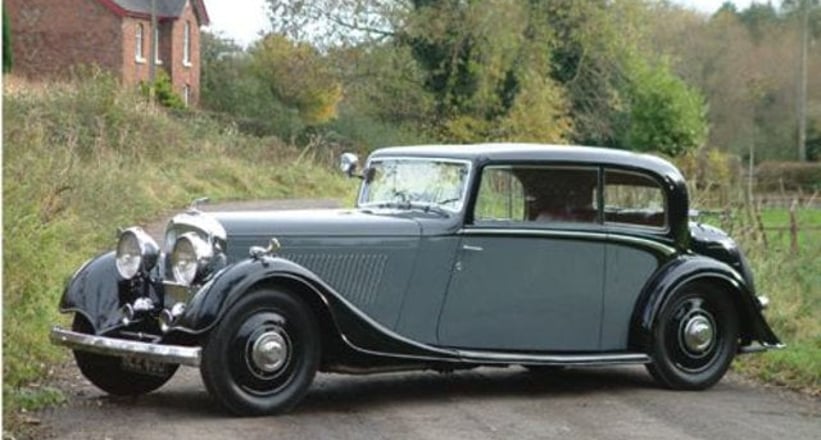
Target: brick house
(50,36)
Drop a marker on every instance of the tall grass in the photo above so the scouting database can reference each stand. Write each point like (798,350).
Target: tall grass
(792,281)
(85,157)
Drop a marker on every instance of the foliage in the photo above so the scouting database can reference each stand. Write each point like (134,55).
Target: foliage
(232,90)
(163,91)
(298,77)
(83,158)
(664,114)
(8,58)
(746,63)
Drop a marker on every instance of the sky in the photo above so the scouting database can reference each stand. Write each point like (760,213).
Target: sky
(243,20)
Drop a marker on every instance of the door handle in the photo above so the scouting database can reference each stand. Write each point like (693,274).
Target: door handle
(473,248)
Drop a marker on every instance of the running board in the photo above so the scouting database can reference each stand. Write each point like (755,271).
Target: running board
(553,359)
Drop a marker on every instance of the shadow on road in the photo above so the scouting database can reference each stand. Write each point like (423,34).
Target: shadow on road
(335,393)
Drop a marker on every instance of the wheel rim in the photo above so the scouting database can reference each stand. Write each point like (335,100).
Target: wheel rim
(270,351)
(262,354)
(692,338)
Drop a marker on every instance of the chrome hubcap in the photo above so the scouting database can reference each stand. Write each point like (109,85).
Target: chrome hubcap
(698,333)
(270,351)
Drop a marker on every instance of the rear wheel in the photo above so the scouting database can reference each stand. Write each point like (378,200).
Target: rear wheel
(108,373)
(263,355)
(695,338)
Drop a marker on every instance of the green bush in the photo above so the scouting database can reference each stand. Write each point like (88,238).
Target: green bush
(163,90)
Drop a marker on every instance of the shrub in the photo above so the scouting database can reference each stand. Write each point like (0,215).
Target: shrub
(793,176)
(163,91)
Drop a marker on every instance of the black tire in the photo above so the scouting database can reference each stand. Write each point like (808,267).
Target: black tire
(685,355)
(249,379)
(107,372)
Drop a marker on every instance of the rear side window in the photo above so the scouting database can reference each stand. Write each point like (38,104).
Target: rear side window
(537,195)
(633,199)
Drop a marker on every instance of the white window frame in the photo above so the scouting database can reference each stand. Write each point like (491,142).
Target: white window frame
(157,59)
(186,44)
(139,37)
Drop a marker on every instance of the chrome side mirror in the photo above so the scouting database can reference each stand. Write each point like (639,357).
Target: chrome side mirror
(348,163)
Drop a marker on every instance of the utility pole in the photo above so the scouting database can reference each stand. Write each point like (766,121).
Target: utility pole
(153,50)
(802,85)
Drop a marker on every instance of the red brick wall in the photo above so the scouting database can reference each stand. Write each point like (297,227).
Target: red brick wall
(49,36)
(185,74)
(134,71)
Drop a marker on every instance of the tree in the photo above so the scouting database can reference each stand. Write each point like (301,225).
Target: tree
(298,76)
(8,57)
(664,114)
(541,70)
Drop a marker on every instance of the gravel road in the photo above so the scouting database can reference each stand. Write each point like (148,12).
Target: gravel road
(511,403)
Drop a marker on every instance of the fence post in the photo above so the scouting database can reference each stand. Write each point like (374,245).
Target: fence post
(793,227)
(760,225)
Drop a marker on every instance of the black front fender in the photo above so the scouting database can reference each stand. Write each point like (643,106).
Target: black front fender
(97,292)
(686,269)
(357,330)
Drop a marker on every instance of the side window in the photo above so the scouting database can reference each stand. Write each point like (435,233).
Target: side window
(633,199)
(538,195)
(500,198)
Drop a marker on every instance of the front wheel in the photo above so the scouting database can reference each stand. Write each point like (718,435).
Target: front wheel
(109,374)
(694,338)
(263,355)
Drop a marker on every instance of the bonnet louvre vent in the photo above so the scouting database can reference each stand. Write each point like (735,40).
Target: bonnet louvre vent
(355,276)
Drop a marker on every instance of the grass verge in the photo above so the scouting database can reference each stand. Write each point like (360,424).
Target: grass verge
(792,281)
(83,158)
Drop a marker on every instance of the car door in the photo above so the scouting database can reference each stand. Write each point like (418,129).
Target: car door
(530,263)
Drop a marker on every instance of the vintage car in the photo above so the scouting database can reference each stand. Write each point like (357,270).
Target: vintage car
(454,257)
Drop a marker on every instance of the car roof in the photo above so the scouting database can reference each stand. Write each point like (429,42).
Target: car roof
(523,152)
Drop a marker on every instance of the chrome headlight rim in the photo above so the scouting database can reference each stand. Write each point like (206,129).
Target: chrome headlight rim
(190,257)
(142,255)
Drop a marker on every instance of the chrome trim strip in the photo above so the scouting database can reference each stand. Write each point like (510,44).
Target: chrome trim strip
(556,359)
(172,354)
(554,233)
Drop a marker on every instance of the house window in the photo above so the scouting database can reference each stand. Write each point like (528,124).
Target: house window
(138,46)
(186,45)
(186,94)
(157,46)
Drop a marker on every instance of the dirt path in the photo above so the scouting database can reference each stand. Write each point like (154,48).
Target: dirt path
(612,403)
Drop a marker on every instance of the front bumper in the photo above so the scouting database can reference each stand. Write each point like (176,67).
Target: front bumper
(170,354)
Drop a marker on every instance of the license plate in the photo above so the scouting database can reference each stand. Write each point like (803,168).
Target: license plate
(144,366)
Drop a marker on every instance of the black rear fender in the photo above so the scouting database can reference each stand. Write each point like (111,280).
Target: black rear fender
(688,269)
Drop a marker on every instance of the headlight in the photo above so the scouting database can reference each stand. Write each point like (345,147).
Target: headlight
(136,251)
(190,257)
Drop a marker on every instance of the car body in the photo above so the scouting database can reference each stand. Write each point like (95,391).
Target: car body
(455,256)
